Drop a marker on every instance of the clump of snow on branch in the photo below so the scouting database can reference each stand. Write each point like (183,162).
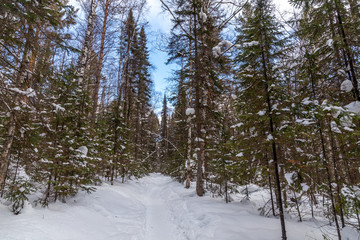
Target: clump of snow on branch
(202,16)
(353,107)
(223,46)
(83,151)
(58,107)
(334,127)
(28,93)
(290,177)
(190,111)
(250,44)
(330,42)
(346,86)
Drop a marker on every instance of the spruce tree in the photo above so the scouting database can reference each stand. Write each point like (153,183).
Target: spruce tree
(260,92)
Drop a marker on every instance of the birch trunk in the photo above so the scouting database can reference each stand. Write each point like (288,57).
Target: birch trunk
(85,52)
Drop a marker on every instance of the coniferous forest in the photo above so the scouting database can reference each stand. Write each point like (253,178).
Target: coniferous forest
(256,99)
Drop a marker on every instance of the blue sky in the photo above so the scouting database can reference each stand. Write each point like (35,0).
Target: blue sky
(160,23)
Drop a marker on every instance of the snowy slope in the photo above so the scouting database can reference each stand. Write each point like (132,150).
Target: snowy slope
(154,207)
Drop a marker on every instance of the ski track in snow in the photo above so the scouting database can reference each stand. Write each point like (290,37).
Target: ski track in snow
(152,208)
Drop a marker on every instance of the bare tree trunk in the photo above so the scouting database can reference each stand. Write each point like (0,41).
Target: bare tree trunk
(4,158)
(85,53)
(101,58)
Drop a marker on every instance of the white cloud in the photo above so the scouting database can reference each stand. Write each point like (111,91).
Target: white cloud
(158,19)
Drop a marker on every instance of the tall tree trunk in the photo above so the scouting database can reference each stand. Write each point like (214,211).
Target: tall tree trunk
(85,52)
(101,58)
(198,111)
(273,142)
(4,158)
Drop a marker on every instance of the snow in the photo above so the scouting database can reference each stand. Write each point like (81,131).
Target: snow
(222,47)
(349,234)
(305,121)
(58,107)
(261,113)
(330,43)
(197,139)
(216,51)
(190,111)
(237,125)
(83,151)
(304,187)
(334,127)
(152,208)
(250,44)
(346,86)
(306,101)
(29,92)
(202,16)
(289,177)
(269,137)
(346,121)
(240,154)
(353,107)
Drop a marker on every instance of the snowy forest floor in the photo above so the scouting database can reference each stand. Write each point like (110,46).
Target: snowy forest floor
(152,208)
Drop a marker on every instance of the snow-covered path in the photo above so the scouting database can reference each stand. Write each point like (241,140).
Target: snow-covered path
(152,208)
(158,223)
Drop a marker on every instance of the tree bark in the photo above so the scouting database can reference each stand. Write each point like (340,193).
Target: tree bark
(4,158)
(273,143)
(85,53)
(101,58)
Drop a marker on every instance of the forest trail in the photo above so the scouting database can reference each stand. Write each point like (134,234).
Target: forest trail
(158,216)
(151,208)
